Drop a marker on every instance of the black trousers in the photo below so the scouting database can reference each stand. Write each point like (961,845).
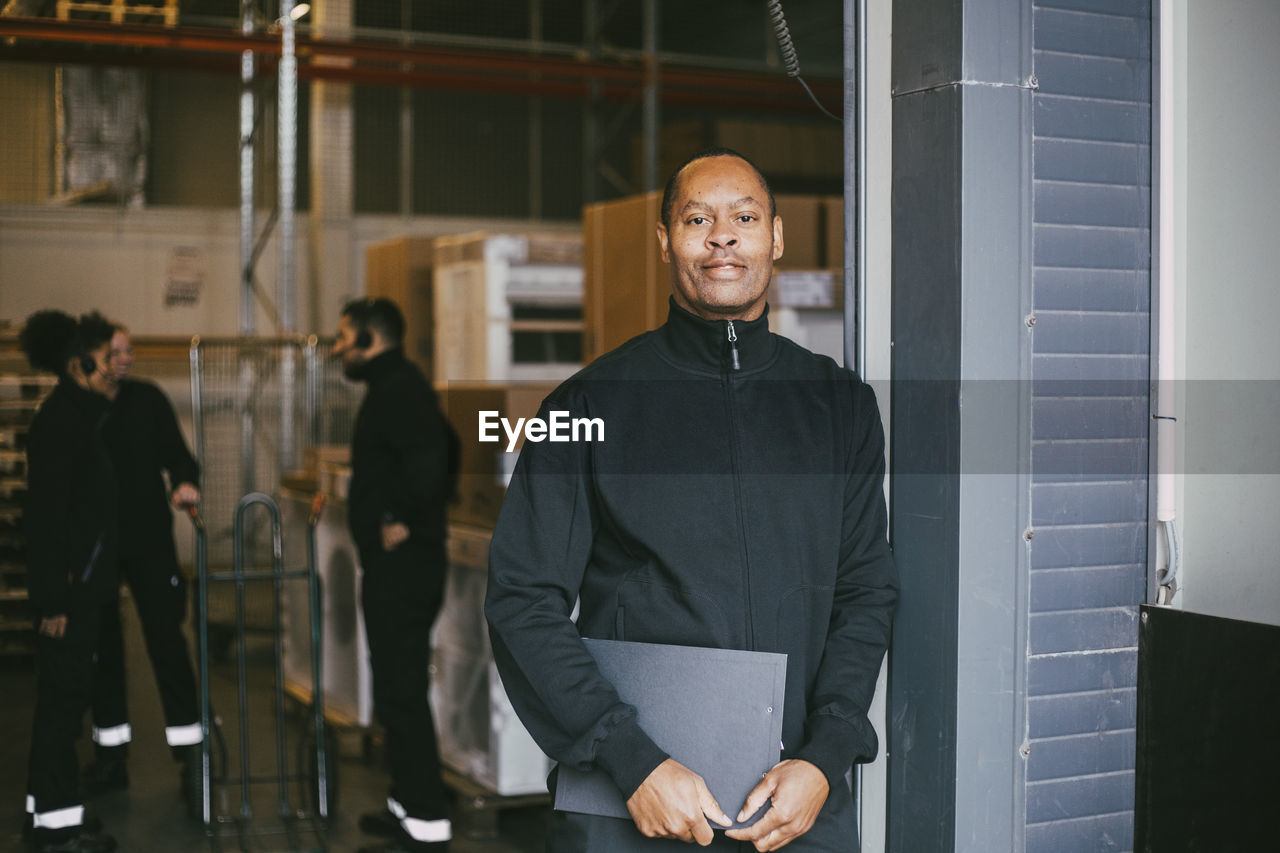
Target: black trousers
(64,675)
(402,591)
(160,593)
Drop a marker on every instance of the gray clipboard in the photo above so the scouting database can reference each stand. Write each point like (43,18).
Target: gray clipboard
(716,711)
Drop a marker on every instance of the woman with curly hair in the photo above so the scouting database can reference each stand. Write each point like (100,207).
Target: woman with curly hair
(70,520)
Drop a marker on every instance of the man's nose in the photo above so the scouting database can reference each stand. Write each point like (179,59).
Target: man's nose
(723,238)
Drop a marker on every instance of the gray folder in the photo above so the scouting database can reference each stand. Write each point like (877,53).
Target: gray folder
(716,711)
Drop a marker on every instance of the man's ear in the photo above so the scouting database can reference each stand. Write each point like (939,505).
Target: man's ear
(777,237)
(664,242)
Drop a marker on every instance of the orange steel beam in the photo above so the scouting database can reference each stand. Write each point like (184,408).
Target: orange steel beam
(377,63)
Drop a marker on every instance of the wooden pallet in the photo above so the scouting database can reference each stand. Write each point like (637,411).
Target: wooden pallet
(17,631)
(350,737)
(119,11)
(478,806)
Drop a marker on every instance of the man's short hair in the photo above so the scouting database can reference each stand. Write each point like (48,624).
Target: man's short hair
(376,314)
(673,183)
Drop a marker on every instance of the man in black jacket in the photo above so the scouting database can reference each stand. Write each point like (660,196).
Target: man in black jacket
(401,481)
(737,502)
(145,443)
(70,524)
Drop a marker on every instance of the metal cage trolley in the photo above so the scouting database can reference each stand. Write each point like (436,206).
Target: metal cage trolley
(315,773)
(256,404)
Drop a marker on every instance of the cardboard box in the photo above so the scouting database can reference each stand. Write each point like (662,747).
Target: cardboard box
(806,289)
(475,278)
(625,282)
(316,455)
(486,467)
(833,230)
(455,293)
(802,231)
(400,270)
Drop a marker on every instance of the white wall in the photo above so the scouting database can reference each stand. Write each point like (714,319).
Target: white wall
(114,260)
(1228,304)
(121,261)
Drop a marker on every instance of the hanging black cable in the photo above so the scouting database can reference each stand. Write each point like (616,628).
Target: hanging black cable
(787,50)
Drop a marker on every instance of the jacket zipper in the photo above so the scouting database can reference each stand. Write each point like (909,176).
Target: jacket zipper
(733,346)
(737,483)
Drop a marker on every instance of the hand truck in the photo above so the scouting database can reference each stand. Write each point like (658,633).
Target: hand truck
(315,771)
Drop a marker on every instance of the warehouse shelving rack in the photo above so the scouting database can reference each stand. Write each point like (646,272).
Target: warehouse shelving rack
(21,392)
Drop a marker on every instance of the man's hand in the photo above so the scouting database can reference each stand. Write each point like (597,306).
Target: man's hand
(674,802)
(185,495)
(798,790)
(393,534)
(54,626)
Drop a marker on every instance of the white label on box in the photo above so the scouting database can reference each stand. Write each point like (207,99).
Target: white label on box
(809,289)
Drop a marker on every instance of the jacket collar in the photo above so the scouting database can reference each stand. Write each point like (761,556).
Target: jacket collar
(89,402)
(381,365)
(705,345)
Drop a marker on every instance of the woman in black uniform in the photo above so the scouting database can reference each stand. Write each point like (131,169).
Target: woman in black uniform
(70,520)
(145,443)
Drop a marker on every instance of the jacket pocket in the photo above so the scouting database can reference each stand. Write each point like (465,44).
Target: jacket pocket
(649,612)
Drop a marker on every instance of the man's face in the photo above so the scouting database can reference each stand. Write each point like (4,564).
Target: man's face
(344,346)
(121,354)
(721,243)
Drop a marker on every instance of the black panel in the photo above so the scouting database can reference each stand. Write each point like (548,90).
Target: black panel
(925,461)
(927,44)
(1208,774)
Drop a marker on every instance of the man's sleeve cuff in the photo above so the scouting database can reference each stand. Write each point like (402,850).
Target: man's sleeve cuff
(835,745)
(629,756)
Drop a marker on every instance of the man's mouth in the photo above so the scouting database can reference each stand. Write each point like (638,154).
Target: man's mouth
(725,266)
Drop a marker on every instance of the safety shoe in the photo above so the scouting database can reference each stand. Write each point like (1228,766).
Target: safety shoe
(387,825)
(92,823)
(382,824)
(405,844)
(104,775)
(78,840)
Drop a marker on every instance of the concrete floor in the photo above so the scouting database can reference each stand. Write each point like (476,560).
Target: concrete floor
(150,817)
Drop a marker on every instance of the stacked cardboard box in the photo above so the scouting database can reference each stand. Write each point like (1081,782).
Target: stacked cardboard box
(486,466)
(400,270)
(457,292)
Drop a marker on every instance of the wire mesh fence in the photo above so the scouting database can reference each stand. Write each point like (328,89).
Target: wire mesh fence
(257,404)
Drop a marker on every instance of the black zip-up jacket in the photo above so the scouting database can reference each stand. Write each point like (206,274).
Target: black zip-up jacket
(735,502)
(143,437)
(400,455)
(70,513)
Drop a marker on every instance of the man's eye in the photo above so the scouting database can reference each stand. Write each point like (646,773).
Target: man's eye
(747,217)
(697,220)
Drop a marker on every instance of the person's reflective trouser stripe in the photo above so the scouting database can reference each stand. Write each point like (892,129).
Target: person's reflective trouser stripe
(113,735)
